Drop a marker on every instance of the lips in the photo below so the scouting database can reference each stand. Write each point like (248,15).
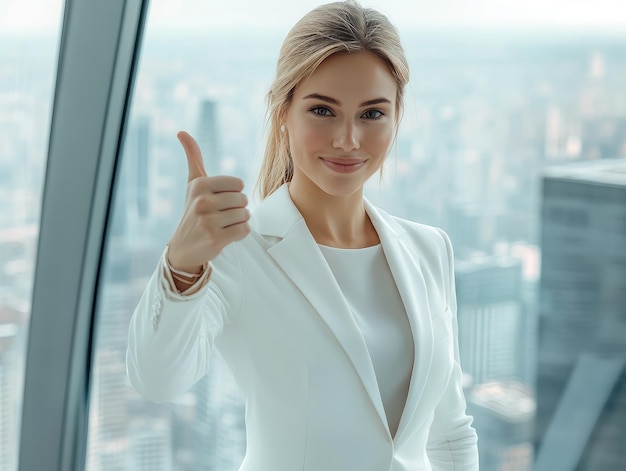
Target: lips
(343,164)
(343,160)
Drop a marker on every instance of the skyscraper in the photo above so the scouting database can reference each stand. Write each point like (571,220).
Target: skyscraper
(134,182)
(8,396)
(219,424)
(208,138)
(491,317)
(150,445)
(503,414)
(494,348)
(582,291)
(138,150)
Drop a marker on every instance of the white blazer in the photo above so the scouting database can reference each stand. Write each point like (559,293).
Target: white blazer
(279,319)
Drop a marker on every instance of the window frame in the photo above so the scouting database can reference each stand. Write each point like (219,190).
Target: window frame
(97,63)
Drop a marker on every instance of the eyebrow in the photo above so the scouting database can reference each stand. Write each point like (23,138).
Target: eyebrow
(317,96)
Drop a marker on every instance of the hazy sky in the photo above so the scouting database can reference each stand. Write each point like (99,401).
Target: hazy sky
(44,15)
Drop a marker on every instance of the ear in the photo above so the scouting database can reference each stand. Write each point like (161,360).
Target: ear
(283,115)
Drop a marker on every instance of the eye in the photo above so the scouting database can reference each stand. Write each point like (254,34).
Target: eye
(321,111)
(373,114)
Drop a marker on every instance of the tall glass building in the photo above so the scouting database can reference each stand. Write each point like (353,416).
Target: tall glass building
(582,324)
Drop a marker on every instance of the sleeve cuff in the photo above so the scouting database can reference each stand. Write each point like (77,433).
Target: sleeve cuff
(170,287)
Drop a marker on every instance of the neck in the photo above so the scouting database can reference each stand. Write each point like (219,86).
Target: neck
(335,221)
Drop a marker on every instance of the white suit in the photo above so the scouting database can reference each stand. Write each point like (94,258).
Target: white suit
(279,319)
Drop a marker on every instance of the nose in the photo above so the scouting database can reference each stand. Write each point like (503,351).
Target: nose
(347,137)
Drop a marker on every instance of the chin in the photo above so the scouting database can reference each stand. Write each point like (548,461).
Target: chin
(340,189)
(332,185)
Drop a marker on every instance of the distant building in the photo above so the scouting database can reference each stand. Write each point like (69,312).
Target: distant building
(138,156)
(134,183)
(503,416)
(18,248)
(587,429)
(208,137)
(12,346)
(111,438)
(603,136)
(108,433)
(219,425)
(491,318)
(605,446)
(8,396)
(582,301)
(150,446)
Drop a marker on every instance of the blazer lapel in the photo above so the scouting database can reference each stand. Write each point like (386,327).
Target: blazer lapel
(298,255)
(405,269)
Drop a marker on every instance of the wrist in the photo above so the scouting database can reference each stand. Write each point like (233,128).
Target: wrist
(183,282)
(184,272)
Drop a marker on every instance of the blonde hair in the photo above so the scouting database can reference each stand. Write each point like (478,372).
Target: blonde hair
(341,27)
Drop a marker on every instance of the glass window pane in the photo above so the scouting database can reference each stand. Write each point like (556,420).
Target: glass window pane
(539,259)
(29,39)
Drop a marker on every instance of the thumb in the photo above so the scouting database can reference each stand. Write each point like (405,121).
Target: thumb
(194,156)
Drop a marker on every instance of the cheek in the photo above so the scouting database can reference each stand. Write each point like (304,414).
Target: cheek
(380,142)
(306,140)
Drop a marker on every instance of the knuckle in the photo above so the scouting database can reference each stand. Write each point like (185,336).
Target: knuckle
(244,230)
(205,204)
(213,182)
(224,200)
(239,183)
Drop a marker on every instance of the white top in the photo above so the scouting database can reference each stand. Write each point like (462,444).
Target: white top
(367,284)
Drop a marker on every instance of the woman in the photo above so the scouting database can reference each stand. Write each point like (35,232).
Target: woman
(337,319)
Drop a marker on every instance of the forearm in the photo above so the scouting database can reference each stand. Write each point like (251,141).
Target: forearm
(168,343)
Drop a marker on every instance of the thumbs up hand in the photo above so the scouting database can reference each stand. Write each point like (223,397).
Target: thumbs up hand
(215,214)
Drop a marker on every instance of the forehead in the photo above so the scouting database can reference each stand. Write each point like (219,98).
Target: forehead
(359,76)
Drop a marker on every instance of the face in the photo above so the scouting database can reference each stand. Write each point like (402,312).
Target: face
(341,122)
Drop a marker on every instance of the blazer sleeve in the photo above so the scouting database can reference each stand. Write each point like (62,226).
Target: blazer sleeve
(171,337)
(452,442)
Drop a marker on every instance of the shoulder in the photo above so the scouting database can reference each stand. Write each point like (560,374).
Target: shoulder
(429,239)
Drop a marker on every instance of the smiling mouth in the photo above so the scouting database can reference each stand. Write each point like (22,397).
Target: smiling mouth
(343,165)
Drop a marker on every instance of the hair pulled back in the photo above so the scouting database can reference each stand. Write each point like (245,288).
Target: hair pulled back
(340,27)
